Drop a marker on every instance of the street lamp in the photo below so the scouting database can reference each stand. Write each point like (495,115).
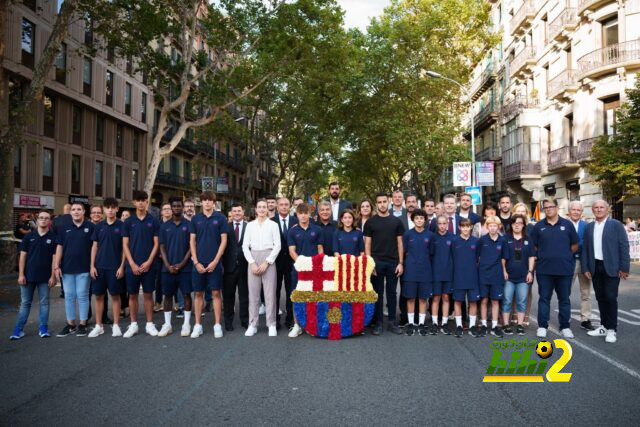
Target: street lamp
(435,75)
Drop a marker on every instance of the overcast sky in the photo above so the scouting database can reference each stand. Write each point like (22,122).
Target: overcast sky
(360,12)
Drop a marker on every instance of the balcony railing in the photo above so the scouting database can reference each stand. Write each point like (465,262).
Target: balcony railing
(567,20)
(484,81)
(562,157)
(522,60)
(564,81)
(603,60)
(513,108)
(523,16)
(591,4)
(522,168)
(174,180)
(584,148)
(490,153)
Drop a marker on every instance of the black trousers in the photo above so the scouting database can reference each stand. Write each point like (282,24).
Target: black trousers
(284,272)
(606,290)
(235,280)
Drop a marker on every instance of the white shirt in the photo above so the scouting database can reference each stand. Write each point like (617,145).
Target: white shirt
(395,212)
(286,220)
(576,224)
(240,227)
(598,228)
(261,237)
(335,209)
(409,221)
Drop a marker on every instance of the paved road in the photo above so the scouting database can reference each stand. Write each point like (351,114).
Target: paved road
(261,380)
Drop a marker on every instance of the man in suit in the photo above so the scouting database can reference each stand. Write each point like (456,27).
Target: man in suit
(465,210)
(284,263)
(605,260)
(337,204)
(235,270)
(397,208)
(327,226)
(449,210)
(575,215)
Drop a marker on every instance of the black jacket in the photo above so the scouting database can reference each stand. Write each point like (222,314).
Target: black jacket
(233,257)
(284,261)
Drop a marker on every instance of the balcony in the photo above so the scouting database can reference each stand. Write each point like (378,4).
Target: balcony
(515,107)
(607,59)
(584,148)
(585,5)
(564,85)
(564,157)
(490,153)
(521,20)
(206,149)
(483,82)
(566,21)
(521,169)
(523,61)
(172,180)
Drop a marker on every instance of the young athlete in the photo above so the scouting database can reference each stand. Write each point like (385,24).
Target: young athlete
(492,275)
(442,274)
(347,239)
(107,266)
(465,276)
(418,274)
(208,240)
(140,247)
(304,239)
(175,253)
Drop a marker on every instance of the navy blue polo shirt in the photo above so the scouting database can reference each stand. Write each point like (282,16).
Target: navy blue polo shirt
(208,231)
(490,265)
(518,269)
(465,262)
(305,241)
(328,230)
(76,247)
(348,242)
(140,233)
(553,247)
(109,238)
(175,238)
(441,257)
(417,259)
(40,251)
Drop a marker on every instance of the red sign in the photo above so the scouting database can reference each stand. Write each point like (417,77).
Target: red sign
(30,201)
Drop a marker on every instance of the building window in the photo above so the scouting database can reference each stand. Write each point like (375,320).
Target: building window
(134,179)
(100,134)
(573,190)
(75,174)
(175,166)
(109,88)
(111,54)
(228,150)
(59,5)
(610,33)
(98,178)
(77,125)
(61,64)
(136,146)
(143,108)
(118,182)
(17,166)
(49,116)
(87,74)
(28,42)
(610,105)
(88,30)
(187,171)
(127,99)
(47,169)
(119,144)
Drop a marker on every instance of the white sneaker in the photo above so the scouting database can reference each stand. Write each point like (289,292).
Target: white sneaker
(262,309)
(197,331)
(165,330)
(115,331)
(566,332)
(541,332)
(131,330)
(279,312)
(600,331)
(186,330)
(611,336)
(150,328)
(96,331)
(273,332)
(251,331)
(295,331)
(217,330)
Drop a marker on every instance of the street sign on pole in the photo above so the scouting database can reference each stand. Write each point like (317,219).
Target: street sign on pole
(461,174)
(484,174)
(475,193)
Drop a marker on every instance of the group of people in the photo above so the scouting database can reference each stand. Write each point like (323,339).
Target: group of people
(447,258)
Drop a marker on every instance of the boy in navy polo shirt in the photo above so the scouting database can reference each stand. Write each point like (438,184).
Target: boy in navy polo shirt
(465,276)
(36,271)
(492,275)
(417,275)
(140,246)
(304,239)
(72,265)
(208,240)
(176,266)
(107,266)
(442,262)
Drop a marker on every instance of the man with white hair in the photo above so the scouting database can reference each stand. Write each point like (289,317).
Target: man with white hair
(605,260)
(575,215)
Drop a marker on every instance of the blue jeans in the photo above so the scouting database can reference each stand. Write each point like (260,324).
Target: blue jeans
(562,285)
(76,287)
(26,298)
(521,291)
(386,272)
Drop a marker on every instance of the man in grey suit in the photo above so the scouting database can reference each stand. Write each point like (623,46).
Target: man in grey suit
(337,204)
(605,260)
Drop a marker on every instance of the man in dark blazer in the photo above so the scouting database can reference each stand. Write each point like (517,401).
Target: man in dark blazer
(337,204)
(449,210)
(605,260)
(235,270)
(284,263)
(465,210)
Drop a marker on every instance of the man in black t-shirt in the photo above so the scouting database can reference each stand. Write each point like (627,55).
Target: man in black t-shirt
(383,241)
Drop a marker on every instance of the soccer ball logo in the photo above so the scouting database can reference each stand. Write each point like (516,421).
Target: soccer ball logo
(544,349)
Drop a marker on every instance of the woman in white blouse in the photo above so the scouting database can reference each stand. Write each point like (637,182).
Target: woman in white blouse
(261,246)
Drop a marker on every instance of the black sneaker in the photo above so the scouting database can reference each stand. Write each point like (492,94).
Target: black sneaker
(180,313)
(459,331)
(520,330)
(473,331)
(395,329)
(82,330)
(434,329)
(423,330)
(410,329)
(587,325)
(377,330)
(445,329)
(483,331)
(508,330)
(67,330)
(497,332)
